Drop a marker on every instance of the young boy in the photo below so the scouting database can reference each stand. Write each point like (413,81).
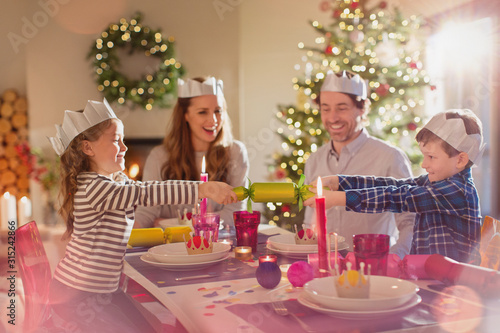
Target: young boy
(448,219)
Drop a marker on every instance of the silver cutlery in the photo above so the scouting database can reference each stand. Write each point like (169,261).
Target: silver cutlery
(280,309)
(194,277)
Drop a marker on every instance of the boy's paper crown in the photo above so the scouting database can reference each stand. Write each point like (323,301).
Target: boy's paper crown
(193,88)
(343,84)
(75,123)
(453,132)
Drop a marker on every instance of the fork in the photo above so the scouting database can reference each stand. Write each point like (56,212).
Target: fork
(281,310)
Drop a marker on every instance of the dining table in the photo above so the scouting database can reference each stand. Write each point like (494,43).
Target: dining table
(227,297)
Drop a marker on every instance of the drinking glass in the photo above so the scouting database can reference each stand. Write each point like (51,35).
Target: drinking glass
(372,249)
(246,225)
(207,225)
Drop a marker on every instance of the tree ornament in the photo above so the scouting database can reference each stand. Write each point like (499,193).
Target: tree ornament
(412,126)
(356,36)
(324,6)
(329,50)
(268,275)
(382,90)
(383,5)
(157,88)
(300,273)
(336,13)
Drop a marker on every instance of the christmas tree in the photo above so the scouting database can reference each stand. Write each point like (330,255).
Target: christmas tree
(384,48)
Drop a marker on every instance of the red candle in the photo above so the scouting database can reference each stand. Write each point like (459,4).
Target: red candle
(203,178)
(268,258)
(321,230)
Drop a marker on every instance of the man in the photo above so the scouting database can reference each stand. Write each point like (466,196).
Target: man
(352,151)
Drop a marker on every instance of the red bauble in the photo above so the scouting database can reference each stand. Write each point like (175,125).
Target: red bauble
(336,13)
(383,5)
(433,88)
(354,5)
(279,173)
(413,65)
(382,90)
(285,209)
(329,49)
(412,126)
(324,6)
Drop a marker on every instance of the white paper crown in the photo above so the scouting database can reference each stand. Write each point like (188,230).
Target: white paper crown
(343,84)
(193,88)
(75,123)
(453,132)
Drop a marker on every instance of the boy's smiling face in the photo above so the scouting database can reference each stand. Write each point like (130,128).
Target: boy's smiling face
(438,164)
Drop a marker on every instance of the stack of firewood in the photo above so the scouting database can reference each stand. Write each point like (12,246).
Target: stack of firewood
(14,177)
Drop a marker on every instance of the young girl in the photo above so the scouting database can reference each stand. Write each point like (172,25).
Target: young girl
(200,126)
(98,206)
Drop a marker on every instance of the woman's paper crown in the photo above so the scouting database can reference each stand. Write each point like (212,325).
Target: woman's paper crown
(343,84)
(75,122)
(453,132)
(192,88)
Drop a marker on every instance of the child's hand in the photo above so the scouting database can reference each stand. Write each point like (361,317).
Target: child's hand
(332,198)
(219,192)
(332,182)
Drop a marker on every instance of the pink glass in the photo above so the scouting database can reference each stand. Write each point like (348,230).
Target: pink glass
(246,225)
(35,271)
(372,249)
(207,225)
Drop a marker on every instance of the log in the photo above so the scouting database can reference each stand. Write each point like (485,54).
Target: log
(22,169)
(23,183)
(14,163)
(9,95)
(21,105)
(5,126)
(10,151)
(4,164)
(8,178)
(6,110)
(19,120)
(11,138)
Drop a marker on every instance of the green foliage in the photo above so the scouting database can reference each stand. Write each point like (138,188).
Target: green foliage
(156,89)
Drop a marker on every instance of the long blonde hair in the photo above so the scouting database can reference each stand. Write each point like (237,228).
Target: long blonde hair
(179,147)
(73,162)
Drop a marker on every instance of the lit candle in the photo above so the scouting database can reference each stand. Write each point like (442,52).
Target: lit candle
(8,209)
(226,241)
(24,210)
(284,269)
(203,178)
(243,252)
(321,229)
(268,258)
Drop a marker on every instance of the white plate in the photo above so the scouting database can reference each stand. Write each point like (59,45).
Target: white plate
(286,242)
(385,293)
(301,254)
(147,258)
(357,315)
(177,253)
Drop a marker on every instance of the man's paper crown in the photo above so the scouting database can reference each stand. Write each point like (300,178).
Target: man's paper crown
(192,88)
(453,132)
(343,84)
(75,122)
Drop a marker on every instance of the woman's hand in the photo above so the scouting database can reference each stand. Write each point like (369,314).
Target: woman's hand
(219,192)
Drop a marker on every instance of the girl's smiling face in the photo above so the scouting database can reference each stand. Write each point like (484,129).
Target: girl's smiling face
(205,117)
(438,164)
(107,154)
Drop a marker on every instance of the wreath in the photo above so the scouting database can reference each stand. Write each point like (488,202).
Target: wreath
(155,89)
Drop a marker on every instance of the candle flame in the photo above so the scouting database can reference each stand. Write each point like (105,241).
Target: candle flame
(134,170)
(203,165)
(24,199)
(6,195)
(319,187)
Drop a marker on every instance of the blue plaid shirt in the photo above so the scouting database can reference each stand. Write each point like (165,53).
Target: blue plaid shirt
(448,220)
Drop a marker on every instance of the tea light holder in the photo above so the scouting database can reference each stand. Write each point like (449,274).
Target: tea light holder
(226,241)
(268,258)
(243,253)
(284,270)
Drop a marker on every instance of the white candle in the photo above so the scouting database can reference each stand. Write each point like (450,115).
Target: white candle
(8,209)
(24,210)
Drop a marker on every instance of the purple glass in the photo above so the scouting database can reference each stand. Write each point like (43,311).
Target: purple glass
(372,249)
(246,225)
(207,225)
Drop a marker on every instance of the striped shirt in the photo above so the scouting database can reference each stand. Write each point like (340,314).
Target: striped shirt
(104,216)
(448,219)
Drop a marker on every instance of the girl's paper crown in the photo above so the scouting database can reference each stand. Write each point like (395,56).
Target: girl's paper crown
(192,88)
(343,84)
(75,123)
(453,132)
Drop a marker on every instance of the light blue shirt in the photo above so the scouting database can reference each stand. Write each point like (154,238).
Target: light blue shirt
(367,156)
